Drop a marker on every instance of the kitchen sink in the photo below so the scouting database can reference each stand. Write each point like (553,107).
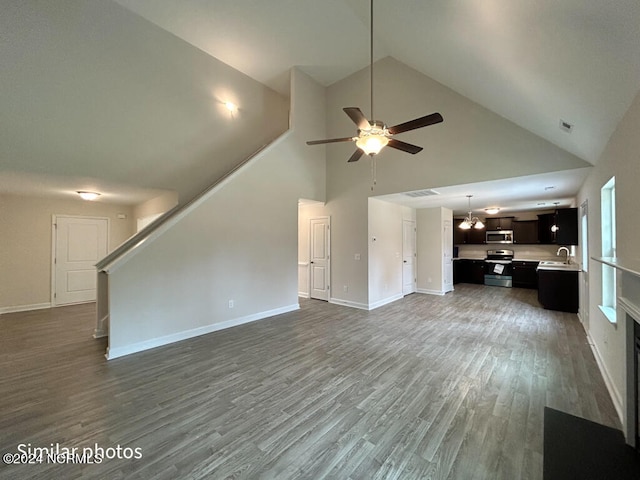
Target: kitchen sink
(551,265)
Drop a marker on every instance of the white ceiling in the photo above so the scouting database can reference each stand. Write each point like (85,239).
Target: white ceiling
(532,61)
(534,192)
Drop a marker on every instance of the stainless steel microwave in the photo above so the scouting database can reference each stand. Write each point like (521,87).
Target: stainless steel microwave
(499,236)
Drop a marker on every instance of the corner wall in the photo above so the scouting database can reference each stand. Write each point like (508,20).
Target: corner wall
(621,158)
(240,244)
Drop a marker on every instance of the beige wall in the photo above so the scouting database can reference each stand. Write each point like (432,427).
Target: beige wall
(430,265)
(26,236)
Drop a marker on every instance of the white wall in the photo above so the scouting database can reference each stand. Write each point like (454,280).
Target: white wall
(240,244)
(430,249)
(473,144)
(385,251)
(621,158)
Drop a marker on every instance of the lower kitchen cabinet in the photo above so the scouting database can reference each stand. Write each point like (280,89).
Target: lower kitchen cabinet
(558,290)
(468,271)
(525,275)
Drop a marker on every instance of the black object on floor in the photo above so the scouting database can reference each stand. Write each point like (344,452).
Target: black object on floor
(578,449)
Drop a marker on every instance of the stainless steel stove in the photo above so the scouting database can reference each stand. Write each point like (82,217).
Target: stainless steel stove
(498,268)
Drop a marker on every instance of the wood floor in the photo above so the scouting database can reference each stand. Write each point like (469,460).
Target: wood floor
(449,387)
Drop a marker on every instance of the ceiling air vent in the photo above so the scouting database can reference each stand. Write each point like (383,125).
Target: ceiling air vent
(421,193)
(566,126)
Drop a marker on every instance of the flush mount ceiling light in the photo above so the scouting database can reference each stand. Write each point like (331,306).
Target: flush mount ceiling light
(88,195)
(492,210)
(471,221)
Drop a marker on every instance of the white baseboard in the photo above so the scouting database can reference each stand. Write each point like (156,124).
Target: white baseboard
(385,301)
(25,308)
(304,295)
(431,292)
(349,303)
(616,398)
(195,332)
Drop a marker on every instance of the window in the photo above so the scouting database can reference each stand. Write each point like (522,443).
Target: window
(608,212)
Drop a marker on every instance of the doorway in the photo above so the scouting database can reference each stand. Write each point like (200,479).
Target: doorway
(78,244)
(319,257)
(409,280)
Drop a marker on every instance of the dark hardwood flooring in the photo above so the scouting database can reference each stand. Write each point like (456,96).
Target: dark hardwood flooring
(449,387)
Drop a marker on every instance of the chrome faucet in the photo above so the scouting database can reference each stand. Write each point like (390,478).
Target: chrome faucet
(567,260)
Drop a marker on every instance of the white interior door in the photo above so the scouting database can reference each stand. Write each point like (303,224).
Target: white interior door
(80,242)
(319,258)
(408,257)
(447,255)
(584,246)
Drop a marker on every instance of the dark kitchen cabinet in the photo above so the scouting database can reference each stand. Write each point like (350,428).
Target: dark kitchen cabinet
(499,223)
(567,226)
(468,271)
(558,290)
(525,231)
(471,236)
(524,274)
(476,272)
(460,271)
(545,222)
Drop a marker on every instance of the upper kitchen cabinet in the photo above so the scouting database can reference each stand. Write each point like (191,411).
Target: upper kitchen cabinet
(545,222)
(472,236)
(499,223)
(525,231)
(567,226)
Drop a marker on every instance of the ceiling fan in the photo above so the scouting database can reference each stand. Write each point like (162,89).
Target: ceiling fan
(373,135)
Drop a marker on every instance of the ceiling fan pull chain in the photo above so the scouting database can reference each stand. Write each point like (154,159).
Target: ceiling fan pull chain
(373,171)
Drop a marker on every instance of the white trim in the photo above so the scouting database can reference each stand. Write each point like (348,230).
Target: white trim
(304,295)
(195,332)
(25,308)
(613,391)
(385,301)
(432,292)
(349,303)
(629,307)
(609,313)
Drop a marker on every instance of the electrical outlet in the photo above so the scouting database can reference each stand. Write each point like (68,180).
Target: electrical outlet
(231,303)
(356,256)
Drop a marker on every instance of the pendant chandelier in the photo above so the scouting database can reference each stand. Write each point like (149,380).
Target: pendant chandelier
(471,221)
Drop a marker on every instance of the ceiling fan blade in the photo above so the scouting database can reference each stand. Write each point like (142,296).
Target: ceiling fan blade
(358,117)
(404,146)
(330,140)
(356,156)
(417,123)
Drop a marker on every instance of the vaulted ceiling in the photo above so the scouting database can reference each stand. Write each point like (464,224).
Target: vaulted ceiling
(534,62)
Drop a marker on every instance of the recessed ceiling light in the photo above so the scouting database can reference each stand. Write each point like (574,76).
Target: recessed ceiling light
(88,195)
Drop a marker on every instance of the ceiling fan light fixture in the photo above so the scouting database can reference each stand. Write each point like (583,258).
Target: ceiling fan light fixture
(372,144)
